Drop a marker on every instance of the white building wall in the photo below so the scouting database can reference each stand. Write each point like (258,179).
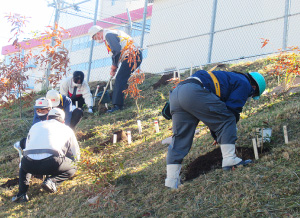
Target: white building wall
(180,31)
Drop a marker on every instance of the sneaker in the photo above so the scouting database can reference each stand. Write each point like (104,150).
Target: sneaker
(243,163)
(20,199)
(115,108)
(49,186)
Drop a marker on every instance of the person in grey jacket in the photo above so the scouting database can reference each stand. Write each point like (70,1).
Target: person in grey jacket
(116,42)
(51,149)
(215,98)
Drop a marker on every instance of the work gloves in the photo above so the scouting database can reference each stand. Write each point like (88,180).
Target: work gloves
(90,110)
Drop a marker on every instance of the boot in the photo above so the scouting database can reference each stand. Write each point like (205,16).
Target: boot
(173,178)
(229,156)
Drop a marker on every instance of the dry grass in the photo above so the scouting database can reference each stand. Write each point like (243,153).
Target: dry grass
(129,179)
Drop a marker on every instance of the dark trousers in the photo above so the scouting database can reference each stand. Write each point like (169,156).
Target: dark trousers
(59,169)
(121,81)
(80,101)
(77,115)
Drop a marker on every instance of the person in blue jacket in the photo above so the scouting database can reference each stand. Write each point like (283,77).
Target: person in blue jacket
(72,117)
(215,98)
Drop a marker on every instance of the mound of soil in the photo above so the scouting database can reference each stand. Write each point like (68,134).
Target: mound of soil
(213,160)
(10,183)
(121,136)
(163,80)
(84,136)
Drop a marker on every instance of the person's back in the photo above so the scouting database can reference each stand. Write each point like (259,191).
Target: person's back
(49,134)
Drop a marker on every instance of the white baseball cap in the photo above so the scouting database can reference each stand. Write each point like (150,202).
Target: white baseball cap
(42,103)
(93,30)
(57,112)
(54,97)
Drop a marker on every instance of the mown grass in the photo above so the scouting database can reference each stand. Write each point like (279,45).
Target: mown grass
(130,178)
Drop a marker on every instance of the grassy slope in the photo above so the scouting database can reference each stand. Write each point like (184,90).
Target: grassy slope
(130,178)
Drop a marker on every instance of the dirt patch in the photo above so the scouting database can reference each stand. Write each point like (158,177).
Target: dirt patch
(10,183)
(213,160)
(121,136)
(163,80)
(84,136)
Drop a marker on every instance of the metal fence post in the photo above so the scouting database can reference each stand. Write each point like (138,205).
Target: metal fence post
(92,44)
(144,23)
(212,30)
(129,26)
(285,25)
(57,10)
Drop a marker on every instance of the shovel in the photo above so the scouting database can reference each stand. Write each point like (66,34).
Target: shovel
(104,91)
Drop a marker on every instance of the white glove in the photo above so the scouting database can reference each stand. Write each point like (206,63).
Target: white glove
(73,107)
(90,110)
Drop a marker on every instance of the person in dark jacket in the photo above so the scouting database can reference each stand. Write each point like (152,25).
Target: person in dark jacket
(72,117)
(215,98)
(116,42)
(41,109)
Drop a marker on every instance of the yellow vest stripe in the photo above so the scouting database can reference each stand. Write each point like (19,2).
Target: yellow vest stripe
(216,83)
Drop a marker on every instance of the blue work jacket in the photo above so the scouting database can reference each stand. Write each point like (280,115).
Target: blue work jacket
(235,88)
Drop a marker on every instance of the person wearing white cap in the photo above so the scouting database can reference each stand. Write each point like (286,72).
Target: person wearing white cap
(63,102)
(116,42)
(47,146)
(41,108)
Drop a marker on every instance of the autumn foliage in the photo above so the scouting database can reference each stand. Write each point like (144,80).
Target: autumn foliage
(55,56)
(285,65)
(137,76)
(13,75)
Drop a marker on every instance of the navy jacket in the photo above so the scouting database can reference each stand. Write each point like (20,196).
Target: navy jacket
(66,106)
(235,88)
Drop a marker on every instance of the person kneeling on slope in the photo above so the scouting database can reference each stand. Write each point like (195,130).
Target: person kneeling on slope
(215,98)
(47,145)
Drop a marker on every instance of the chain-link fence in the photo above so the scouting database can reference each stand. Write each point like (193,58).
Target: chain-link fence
(123,15)
(179,34)
(195,32)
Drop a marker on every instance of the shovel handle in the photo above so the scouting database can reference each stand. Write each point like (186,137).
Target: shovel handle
(104,91)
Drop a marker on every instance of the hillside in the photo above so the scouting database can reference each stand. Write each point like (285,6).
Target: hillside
(129,178)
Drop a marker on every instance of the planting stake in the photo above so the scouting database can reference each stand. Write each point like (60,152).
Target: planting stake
(191,70)
(139,126)
(262,140)
(257,136)
(76,104)
(115,139)
(255,149)
(286,140)
(96,92)
(110,85)
(156,126)
(129,137)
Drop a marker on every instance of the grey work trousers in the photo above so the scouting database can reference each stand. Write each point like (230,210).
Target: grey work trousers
(189,104)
